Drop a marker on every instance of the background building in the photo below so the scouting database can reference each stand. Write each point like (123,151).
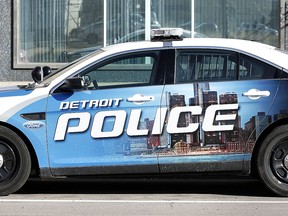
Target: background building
(42,32)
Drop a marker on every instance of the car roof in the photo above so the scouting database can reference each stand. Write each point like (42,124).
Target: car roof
(258,50)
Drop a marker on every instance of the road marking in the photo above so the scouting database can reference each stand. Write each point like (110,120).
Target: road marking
(147,201)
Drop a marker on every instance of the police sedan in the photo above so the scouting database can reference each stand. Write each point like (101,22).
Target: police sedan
(170,106)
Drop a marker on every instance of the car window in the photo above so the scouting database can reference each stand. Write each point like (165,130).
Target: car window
(122,72)
(192,66)
(251,68)
(206,65)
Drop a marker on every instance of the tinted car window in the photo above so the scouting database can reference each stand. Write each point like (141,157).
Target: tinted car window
(220,66)
(208,65)
(122,72)
(251,68)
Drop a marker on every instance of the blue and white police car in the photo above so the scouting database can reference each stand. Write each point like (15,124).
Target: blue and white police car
(166,106)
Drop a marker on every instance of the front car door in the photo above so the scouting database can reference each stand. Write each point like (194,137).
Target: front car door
(106,127)
(217,106)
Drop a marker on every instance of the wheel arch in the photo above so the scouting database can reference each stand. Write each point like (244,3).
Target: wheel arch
(263,135)
(35,169)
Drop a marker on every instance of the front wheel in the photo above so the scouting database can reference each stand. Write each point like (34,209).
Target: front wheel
(272,161)
(15,162)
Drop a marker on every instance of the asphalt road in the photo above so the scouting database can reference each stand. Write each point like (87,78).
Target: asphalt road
(144,197)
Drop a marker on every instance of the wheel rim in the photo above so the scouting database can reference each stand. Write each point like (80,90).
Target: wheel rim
(7,162)
(279,161)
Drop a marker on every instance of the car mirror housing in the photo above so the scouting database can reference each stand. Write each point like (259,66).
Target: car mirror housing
(74,83)
(70,85)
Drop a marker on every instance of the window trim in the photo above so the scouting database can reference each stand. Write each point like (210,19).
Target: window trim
(263,62)
(156,54)
(206,51)
(17,64)
(16,51)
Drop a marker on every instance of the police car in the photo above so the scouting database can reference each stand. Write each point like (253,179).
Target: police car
(170,106)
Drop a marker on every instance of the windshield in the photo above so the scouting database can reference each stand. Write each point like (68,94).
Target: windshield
(62,70)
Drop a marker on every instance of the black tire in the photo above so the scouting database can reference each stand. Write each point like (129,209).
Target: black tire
(272,161)
(15,162)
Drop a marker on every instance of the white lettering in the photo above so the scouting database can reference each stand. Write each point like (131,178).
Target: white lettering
(103,103)
(133,124)
(211,115)
(159,121)
(117,101)
(74,105)
(93,104)
(115,120)
(63,121)
(90,104)
(118,126)
(174,119)
(64,105)
(84,104)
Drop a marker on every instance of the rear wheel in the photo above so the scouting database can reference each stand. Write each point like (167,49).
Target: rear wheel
(15,162)
(272,161)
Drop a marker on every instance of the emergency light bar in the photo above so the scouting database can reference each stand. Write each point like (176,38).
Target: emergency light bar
(166,34)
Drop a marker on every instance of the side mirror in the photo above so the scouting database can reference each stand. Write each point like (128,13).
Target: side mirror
(70,85)
(73,83)
(86,80)
(38,73)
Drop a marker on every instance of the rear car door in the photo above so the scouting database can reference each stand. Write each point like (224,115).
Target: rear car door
(217,105)
(105,128)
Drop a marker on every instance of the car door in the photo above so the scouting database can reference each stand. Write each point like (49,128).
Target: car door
(217,106)
(105,128)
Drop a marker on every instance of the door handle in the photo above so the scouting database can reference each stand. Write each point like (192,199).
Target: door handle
(255,94)
(140,98)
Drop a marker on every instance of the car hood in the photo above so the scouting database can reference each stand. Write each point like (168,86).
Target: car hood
(10,91)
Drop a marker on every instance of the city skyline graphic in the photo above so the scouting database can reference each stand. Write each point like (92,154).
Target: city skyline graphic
(247,126)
